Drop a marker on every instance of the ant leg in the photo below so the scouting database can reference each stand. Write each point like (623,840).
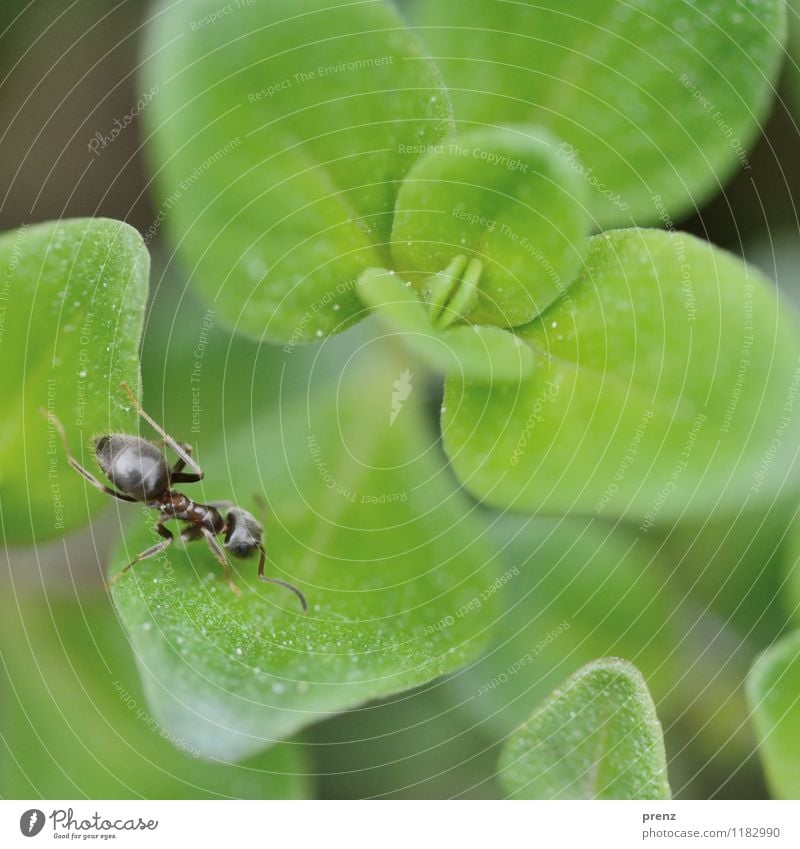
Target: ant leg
(148,552)
(278,581)
(178,447)
(53,419)
(221,559)
(177,475)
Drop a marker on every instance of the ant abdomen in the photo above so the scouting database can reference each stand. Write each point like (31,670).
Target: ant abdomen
(134,465)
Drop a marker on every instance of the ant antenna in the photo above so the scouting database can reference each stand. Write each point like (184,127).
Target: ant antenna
(262,504)
(278,581)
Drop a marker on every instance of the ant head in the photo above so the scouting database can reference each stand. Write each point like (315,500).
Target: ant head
(135,466)
(244,533)
(244,536)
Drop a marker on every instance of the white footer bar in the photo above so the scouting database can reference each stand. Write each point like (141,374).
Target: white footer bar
(400,824)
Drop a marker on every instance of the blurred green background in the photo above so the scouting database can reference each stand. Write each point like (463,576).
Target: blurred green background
(691,609)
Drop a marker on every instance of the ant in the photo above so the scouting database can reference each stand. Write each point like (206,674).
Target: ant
(140,472)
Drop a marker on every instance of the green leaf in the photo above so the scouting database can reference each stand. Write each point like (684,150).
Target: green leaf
(507,197)
(596,737)
(657,100)
(365,520)
(665,386)
(74,724)
(481,352)
(772,689)
(280,135)
(574,591)
(202,379)
(72,298)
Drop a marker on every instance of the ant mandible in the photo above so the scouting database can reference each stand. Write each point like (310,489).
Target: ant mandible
(140,472)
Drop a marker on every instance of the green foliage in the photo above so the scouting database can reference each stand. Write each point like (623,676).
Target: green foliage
(596,737)
(507,197)
(665,387)
(482,353)
(308,173)
(658,100)
(365,521)
(280,138)
(576,590)
(773,695)
(74,723)
(73,295)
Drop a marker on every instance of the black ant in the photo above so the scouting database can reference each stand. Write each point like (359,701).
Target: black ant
(140,472)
